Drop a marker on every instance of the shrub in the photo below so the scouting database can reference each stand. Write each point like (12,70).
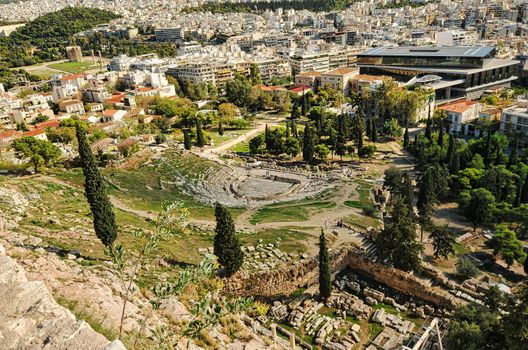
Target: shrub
(367,151)
(466,268)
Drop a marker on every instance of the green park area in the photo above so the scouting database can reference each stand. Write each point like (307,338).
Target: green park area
(73,67)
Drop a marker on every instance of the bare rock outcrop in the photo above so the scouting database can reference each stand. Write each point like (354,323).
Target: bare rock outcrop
(31,319)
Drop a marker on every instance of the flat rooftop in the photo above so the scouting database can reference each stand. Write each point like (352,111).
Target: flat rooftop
(434,51)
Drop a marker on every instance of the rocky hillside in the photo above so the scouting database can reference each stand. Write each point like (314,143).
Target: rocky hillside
(31,319)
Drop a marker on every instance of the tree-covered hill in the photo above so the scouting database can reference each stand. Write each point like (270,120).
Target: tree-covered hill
(44,38)
(261,6)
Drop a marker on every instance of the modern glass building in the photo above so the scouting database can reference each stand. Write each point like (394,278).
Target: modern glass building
(452,71)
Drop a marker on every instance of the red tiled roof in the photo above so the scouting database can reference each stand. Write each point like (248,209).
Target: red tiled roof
(309,74)
(9,134)
(300,88)
(48,124)
(34,132)
(457,106)
(109,112)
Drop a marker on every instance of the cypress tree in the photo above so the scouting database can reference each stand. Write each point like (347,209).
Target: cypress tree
(440,140)
(95,191)
(267,137)
(450,151)
(513,154)
(308,144)
(294,129)
(374,131)
(220,129)
(407,190)
(287,129)
(406,138)
(369,129)
(428,131)
(303,105)
(200,140)
(325,273)
(487,150)
(226,244)
(359,132)
(187,140)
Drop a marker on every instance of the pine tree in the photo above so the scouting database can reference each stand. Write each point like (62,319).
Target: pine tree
(226,244)
(406,138)
(187,140)
(397,241)
(325,273)
(200,140)
(443,241)
(308,144)
(95,191)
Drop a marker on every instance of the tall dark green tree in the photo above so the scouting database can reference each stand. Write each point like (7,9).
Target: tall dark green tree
(374,131)
(369,128)
(200,139)
(487,147)
(226,244)
(428,129)
(308,144)
(406,138)
(397,241)
(220,128)
(325,272)
(95,191)
(407,190)
(187,139)
(440,139)
(443,241)
(427,198)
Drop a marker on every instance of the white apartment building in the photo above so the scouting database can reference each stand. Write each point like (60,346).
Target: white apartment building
(460,114)
(514,120)
(169,34)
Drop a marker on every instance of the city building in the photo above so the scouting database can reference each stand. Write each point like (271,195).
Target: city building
(514,123)
(169,34)
(453,72)
(460,114)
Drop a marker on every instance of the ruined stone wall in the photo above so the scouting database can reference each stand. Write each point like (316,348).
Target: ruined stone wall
(289,278)
(285,279)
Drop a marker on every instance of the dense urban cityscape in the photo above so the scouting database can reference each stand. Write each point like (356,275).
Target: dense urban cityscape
(264,174)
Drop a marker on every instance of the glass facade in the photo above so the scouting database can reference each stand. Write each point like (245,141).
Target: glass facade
(420,61)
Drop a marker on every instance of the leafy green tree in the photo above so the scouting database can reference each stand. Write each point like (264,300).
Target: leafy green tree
(38,152)
(367,151)
(308,144)
(292,146)
(256,144)
(61,135)
(466,268)
(322,151)
(254,74)
(407,190)
(397,241)
(238,91)
(392,129)
(506,243)
(514,324)
(479,207)
(443,241)
(95,191)
(393,180)
(226,244)
(494,299)
(325,272)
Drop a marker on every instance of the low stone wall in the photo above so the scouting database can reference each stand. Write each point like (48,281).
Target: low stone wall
(287,279)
